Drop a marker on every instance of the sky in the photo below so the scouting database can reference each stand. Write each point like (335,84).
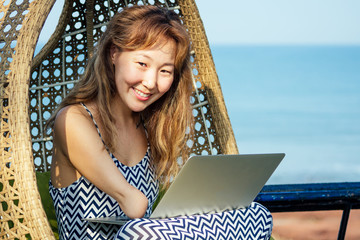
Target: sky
(275,22)
(333,22)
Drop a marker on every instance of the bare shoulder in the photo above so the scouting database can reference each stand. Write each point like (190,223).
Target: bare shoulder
(71,113)
(70,123)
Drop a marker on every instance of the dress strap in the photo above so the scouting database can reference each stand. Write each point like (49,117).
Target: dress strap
(141,122)
(97,127)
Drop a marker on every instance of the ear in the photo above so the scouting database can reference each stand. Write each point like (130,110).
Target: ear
(113,52)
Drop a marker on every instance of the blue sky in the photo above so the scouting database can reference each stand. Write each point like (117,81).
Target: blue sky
(324,22)
(281,21)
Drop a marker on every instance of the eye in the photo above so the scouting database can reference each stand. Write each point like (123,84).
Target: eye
(142,64)
(166,71)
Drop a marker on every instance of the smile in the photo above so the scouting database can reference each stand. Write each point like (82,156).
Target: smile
(141,95)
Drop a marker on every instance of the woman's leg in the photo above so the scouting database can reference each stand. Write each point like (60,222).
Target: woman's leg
(254,222)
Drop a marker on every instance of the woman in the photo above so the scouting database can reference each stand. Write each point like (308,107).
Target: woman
(124,125)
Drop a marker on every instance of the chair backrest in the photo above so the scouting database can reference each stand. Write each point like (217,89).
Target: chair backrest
(31,87)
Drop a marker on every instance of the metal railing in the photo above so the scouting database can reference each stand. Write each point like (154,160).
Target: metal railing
(313,197)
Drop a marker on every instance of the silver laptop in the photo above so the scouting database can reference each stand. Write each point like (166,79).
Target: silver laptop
(210,184)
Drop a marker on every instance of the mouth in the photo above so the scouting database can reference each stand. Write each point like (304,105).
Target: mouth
(141,95)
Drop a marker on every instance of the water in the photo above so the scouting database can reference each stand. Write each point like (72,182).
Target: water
(301,100)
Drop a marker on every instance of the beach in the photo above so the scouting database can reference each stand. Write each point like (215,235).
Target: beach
(317,225)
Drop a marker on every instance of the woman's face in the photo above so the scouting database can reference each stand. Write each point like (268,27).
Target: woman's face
(143,76)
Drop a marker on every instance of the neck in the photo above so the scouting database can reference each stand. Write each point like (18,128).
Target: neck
(123,115)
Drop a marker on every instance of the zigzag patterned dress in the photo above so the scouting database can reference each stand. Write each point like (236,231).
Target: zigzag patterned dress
(252,223)
(82,199)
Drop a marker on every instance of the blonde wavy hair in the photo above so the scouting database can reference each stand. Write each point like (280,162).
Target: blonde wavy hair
(168,120)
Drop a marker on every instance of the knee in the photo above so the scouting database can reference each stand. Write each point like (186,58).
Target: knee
(260,208)
(263,217)
(132,230)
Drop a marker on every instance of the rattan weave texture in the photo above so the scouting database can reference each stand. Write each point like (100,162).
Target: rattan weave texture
(31,88)
(21,210)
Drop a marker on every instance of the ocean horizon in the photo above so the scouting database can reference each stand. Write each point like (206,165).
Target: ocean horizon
(300,100)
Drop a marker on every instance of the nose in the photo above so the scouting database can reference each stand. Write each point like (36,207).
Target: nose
(150,80)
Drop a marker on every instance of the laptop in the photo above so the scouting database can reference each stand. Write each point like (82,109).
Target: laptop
(211,184)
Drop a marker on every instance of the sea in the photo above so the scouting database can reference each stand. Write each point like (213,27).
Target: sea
(303,101)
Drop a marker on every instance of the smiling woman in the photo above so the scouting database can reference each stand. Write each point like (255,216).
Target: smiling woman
(132,81)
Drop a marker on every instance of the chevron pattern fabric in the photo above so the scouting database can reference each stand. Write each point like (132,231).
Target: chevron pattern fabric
(254,222)
(82,199)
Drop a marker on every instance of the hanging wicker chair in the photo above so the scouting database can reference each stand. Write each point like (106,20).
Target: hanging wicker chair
(31,87)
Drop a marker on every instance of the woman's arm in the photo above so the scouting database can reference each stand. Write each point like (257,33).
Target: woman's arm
(76,141)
